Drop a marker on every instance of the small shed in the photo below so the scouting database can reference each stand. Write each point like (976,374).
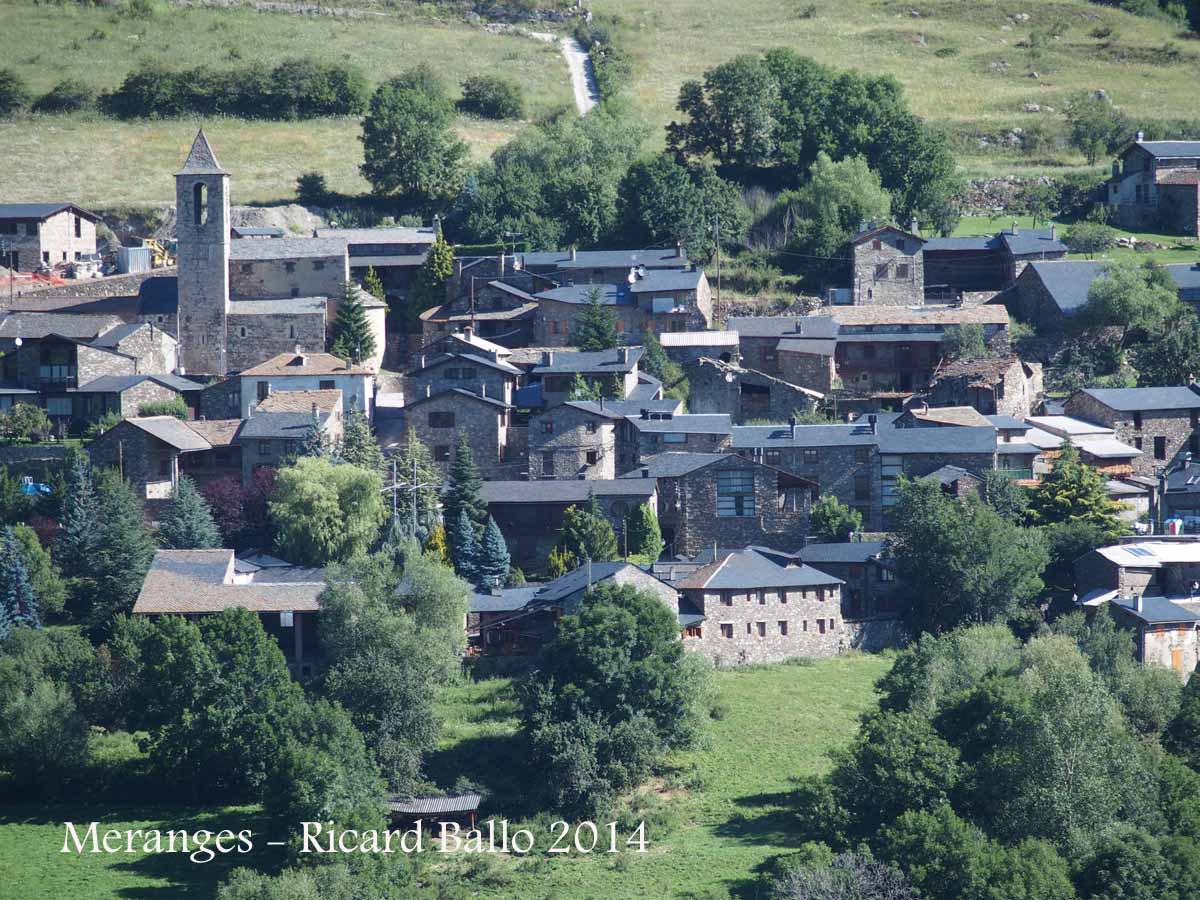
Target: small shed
(451,807)
(134,259)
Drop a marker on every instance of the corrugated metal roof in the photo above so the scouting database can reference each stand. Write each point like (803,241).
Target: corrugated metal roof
(420,806)
(698,338)
(564,490)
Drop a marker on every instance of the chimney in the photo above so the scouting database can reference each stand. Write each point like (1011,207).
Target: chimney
(421,362)
(573,253)
(679,249)
(1053,232)
(1141,136)
(622,355)
(1015,228)
(428,391)
(314,409)
(644,414)
(501,261)
(299,349)
(915,226)
(872,419)
(468,331)
(645,472)
(792,426)
(924,407)
(1138,599)
(547,357)
(482,390)
(799,326)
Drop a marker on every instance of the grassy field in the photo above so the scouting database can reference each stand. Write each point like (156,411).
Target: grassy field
(99,161)
(1171,248)
(715,821)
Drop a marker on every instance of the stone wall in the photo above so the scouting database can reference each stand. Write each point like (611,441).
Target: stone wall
(130,401)
(879,276)
(1177,428)
(93,362)
(649,443)
(485,425)
(580,443)
(850,473)
(747,395)
(153,348)
(254,339)
(1175,647)
(1179,208)
(203,260)
(483,380)
(147,463)
(94,288)
(52,241)
(278,278)
(810,370)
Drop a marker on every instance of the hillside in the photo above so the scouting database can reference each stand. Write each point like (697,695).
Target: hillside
(967,67)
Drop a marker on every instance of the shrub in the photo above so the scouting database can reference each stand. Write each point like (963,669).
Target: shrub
(492,97)
(67,96)
(173,407)
(14,93)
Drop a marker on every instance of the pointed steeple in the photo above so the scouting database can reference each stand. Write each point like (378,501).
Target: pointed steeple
(202,160)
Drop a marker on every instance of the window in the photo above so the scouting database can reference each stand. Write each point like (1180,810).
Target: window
(591,427)
(783,627)
(291,447)
(876,244)
(821,594)
(45,256)
(772,457)
(762,629)
(241,331)
(591,457)
(1137,443)
(318,265)
(804,625)
(58,406)
(881,271)
(264,390)
(200,204)
(548,463)
(441,453)
(693,631)
(1137,420)
(78,226)
(264,448)
(820,626)
(247,268)
(78,255)
(441,420)
(886,574)
(295,292)
(727,630)
(289,267)
(292,332)
(547,427)
(762,598)
(326,384)
(749,628)
(862,455)
(902,270)
(862,487)
(674,437)
(810,457)
(1160,448)
(735,494)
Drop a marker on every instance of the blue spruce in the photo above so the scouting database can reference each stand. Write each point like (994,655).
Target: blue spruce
(464,547)
(18,605)
(493,556)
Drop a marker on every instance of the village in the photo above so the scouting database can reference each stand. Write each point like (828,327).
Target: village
(766,511)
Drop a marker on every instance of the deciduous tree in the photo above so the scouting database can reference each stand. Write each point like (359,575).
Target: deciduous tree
(324,512)
(833,521)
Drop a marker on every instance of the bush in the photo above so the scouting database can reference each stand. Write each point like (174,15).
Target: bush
(492,97)
(14,93)
(174,407)
(312,189)
(67,96)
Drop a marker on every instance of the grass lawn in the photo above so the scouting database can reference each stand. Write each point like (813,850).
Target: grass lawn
(781,725)
(99,161)
(706,839)
(1172,249)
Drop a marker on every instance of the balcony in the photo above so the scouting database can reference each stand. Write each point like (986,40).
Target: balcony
(57,376)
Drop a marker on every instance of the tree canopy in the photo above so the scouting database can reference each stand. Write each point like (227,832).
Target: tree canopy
(350,337)
(324,512)
(597,327)
(833,521)
(188,523)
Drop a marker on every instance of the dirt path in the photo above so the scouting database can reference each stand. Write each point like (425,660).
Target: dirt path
(583,75)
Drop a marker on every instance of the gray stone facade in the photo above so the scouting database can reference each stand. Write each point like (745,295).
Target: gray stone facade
(745,394)
(1162,435)
(848,472)
(435,375)
(150,465)
(256,337)
(1006,386)
(202,231)
(438,420)
(60,237)
(568,442)
(889,269)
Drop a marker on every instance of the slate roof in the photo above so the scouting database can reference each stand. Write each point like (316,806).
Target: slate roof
(1146,399)
(666,258)
(823,326)
(856,434)
(947,475)
(949,415)
(1168,149)
(578,580)
(171,431)
(201,160)
(563,490)
(462,393)
(36,325)
(41,211)
(114,336)
(1184,479)
(115,384)
(299,401)
(286,248)
(247,231)
(313,364)
(686,424)
(672,464)
(844,552)
(158,296)
(1157,610)
(668,280)
(1028,241)
(289,306)
(850,316)
(467,357)
(951,440)
(618,409)
(609,294)
(508,600)
(748,568)
(964,243)
(193,581)
(1185,275)
(289,425)
(1067,281)
(605,362)
(393,235)
(1008,423)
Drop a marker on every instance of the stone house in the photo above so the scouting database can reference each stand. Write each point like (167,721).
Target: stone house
(613,372)
(867,572)
(1153,587)
(530,513)
(889,268)
(300,370)
(574,440)
(1155,186)
(725,388)
(45,234)
(759,339)
(986,263)
(127,394)
(154,349)
(756,606)
(438,419)
(712,499)
(600,266)
(147,452)
(196,583)
(1161,422)
(654,433)
(1003,385)
(269,439)
(917,452)
(1097,444)
(396,254)
(686,347)
(475,372)
(837,460)
(224,458)
(487,296)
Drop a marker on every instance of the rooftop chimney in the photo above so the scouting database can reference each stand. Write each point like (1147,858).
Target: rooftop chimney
(1138,599)
(1141,136)
(573,253)
(799,326)
(1053,232)
(792,426)
(872,419)
(622,355)
(924,407)
(645,472)
(644,414)
(468,331)
(915,226)
(421,362)
(428,390)
(482,390)
(547,357)
(1015,228)
(501,260)
(314,409)
(679,249)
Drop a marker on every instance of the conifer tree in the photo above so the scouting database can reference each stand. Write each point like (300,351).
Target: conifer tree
(1074,493)
(123,554)
(436,545)
(18,605)
(642,533)
(597,328)
(316,441)
(587,534)
(373,284)
(351,337)
(80,534)
(188,523)
(584,390)
(429,286)
(464,546)
(359,446)
(493,561)
(464,493)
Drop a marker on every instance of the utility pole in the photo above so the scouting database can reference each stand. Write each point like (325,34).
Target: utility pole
(413,485)
(717,235)
(6,245)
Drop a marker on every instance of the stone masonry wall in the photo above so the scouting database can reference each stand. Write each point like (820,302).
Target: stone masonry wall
(575,435)
(93,362)
(269,335)
(809,370)
(153,348)
(485,428)
(877,278)
(850,473)
(483,380)
(278,278)
(1177,427)
(147,392)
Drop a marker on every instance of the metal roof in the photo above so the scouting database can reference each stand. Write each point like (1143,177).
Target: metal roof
(1146,399)
(286,248)
(698,338)
(171,431)
(564,490)
(1169,149)
(421,806)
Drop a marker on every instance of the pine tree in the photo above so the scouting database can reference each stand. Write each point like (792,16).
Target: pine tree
(373,284)
(464,544)
(493,556)
(587,534)
(188,523)
(597,328)
(80,535)
(655,362)
(351,337)
(18,605)
(464,492)
(1074,493)
(559,562)
(583,390)
(359,446)
(123,555)
(316,440)
(642,533)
